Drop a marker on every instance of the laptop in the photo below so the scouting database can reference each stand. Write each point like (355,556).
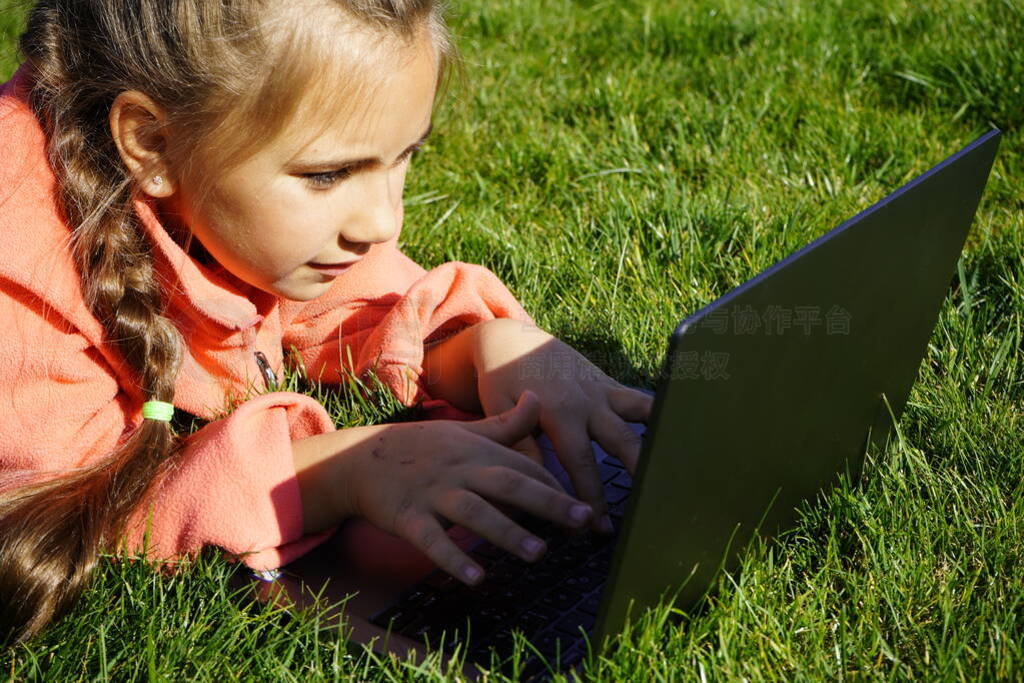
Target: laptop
(766,396)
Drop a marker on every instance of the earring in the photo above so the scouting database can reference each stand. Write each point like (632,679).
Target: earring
(158,180)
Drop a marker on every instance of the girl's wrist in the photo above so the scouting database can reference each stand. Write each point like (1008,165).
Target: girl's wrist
(325,467)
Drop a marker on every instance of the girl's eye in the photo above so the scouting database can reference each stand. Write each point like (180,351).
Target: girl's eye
(407,154)
(327,179)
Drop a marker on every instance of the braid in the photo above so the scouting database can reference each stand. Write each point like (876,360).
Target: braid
(51,533)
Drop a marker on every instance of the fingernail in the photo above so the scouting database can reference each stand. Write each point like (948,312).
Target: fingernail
(606,524)
(532,546)
(580,513)
(471,573)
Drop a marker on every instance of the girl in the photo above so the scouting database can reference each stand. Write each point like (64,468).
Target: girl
(192,186)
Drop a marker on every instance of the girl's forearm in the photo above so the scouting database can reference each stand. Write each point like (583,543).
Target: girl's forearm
(449,371)
(324,466)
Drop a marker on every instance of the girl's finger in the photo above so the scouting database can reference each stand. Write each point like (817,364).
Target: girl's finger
(476,514)
(526,466)
(425,532)
(530,449)
(527,445)
(616,437)
(526,493)
(632,405)
(510,423)
(576,453)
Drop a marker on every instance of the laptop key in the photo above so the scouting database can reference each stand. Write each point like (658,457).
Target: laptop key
(535,669)
(442,582)
(579,552)
(612,461)
(414,596)
(446,607)
(551,643)
(489,550)
(571,658)
(438,631)
(541,575)
(623,480)
(396,617)
(503,644)
(540,614)
(565,558)
(475,594)
(480,653)
(615,494)
(538,525)
(485,562)
(513,598)
(599,564)
(572,622)
(504,573)
(561,599)
(579,542)
(482,627)
(608,471)
(418,629)
(454,639)
(531,622)
(601,541)
(591,604)
(450,629)
(584,582)
(430,601)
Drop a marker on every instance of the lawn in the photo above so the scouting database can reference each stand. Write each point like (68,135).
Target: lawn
(619,164)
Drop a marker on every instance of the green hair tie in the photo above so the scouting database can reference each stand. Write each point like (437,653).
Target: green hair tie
(158,410)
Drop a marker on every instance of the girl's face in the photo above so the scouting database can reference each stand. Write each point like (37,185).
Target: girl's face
(323,191)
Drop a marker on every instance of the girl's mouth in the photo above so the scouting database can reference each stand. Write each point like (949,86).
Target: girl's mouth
(332,269)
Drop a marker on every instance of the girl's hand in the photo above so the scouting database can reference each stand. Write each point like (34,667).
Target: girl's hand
(579,402)
(411,474)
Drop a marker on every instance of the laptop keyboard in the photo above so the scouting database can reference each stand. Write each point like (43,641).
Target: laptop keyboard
(552,601)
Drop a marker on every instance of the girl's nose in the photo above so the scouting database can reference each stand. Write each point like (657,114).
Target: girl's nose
(373,219)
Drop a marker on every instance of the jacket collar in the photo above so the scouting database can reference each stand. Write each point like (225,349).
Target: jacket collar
(209,293)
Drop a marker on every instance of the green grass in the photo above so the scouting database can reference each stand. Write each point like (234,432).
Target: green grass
(621,163)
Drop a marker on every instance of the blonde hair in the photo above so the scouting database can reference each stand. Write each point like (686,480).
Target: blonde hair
(227,78)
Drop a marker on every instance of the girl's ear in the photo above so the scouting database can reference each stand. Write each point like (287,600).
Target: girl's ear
(138,126)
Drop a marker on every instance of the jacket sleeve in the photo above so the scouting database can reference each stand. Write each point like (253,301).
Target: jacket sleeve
(233,485)
(385,310)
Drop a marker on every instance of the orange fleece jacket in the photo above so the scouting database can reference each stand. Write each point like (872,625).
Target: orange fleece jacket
(67,398)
